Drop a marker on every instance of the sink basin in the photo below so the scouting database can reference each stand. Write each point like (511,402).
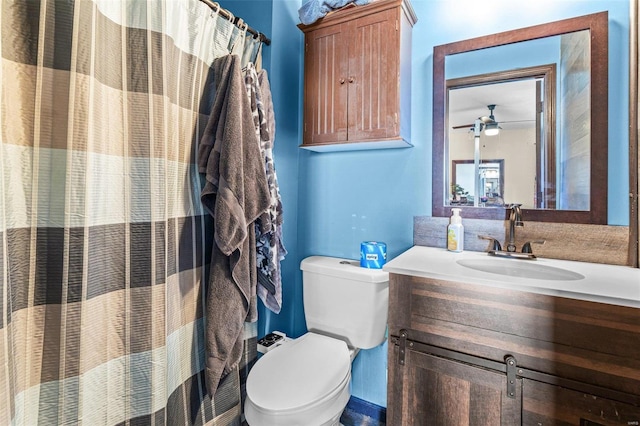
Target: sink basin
(520,269)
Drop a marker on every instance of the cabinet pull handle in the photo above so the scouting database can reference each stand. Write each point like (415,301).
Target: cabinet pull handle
(352,79)
(342,81)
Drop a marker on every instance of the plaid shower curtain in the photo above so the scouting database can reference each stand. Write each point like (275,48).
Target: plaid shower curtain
(104,245)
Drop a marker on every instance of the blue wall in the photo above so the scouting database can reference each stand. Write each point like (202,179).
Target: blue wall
(333,201)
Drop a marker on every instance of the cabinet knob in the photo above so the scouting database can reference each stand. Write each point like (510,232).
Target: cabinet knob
(342,81)
(352,79)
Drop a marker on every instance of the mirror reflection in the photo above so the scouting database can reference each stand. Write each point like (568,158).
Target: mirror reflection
(491,183)
(548,154)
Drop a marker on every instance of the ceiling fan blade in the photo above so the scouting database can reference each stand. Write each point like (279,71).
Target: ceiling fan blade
(463,126)
(516,121)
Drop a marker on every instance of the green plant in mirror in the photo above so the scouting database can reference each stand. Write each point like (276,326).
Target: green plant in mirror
(458,190)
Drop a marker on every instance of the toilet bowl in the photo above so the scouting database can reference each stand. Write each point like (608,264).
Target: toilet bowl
(306,381)
(303,382)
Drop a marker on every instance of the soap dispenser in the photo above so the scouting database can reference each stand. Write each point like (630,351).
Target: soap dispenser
(455,232)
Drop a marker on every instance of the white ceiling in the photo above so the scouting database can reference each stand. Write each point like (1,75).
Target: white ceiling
(515,103)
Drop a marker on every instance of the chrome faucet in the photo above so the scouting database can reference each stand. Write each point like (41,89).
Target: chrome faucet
(515,220)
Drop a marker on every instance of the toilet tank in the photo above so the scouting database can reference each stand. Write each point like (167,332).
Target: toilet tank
(344,300)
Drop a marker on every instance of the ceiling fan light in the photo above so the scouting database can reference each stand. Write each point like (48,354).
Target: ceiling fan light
(491,129)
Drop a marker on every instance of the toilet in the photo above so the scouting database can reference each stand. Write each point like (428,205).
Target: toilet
(306,381)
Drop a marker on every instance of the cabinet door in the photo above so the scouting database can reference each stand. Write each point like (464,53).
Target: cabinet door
(433,391)
(545,404)
(325,85)
(374,76)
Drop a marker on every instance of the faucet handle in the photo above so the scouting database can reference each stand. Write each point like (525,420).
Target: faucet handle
(526,248)
(495,244)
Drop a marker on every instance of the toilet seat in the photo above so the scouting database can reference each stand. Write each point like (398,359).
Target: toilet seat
(304,379)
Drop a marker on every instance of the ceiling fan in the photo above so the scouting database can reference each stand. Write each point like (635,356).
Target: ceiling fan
(490,125)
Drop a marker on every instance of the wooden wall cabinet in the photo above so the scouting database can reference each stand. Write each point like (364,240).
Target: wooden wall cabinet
(357,78)
(462,354)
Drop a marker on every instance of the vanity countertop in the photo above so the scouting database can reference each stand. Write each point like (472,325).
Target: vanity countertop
(612,284)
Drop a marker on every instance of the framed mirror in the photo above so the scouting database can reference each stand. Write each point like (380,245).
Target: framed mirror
(543,91)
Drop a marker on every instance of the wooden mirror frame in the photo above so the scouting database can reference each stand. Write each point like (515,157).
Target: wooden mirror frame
(598,25)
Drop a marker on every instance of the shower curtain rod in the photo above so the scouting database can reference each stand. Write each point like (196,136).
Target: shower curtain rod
(236,20)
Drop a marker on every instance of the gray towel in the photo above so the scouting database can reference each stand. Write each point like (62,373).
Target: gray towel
(235,194)
(313,10)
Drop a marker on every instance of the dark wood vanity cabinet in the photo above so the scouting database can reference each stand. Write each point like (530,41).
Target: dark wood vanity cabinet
(462,354)
(357,76)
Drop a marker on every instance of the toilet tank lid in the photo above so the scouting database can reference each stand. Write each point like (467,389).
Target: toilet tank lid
(343,268)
